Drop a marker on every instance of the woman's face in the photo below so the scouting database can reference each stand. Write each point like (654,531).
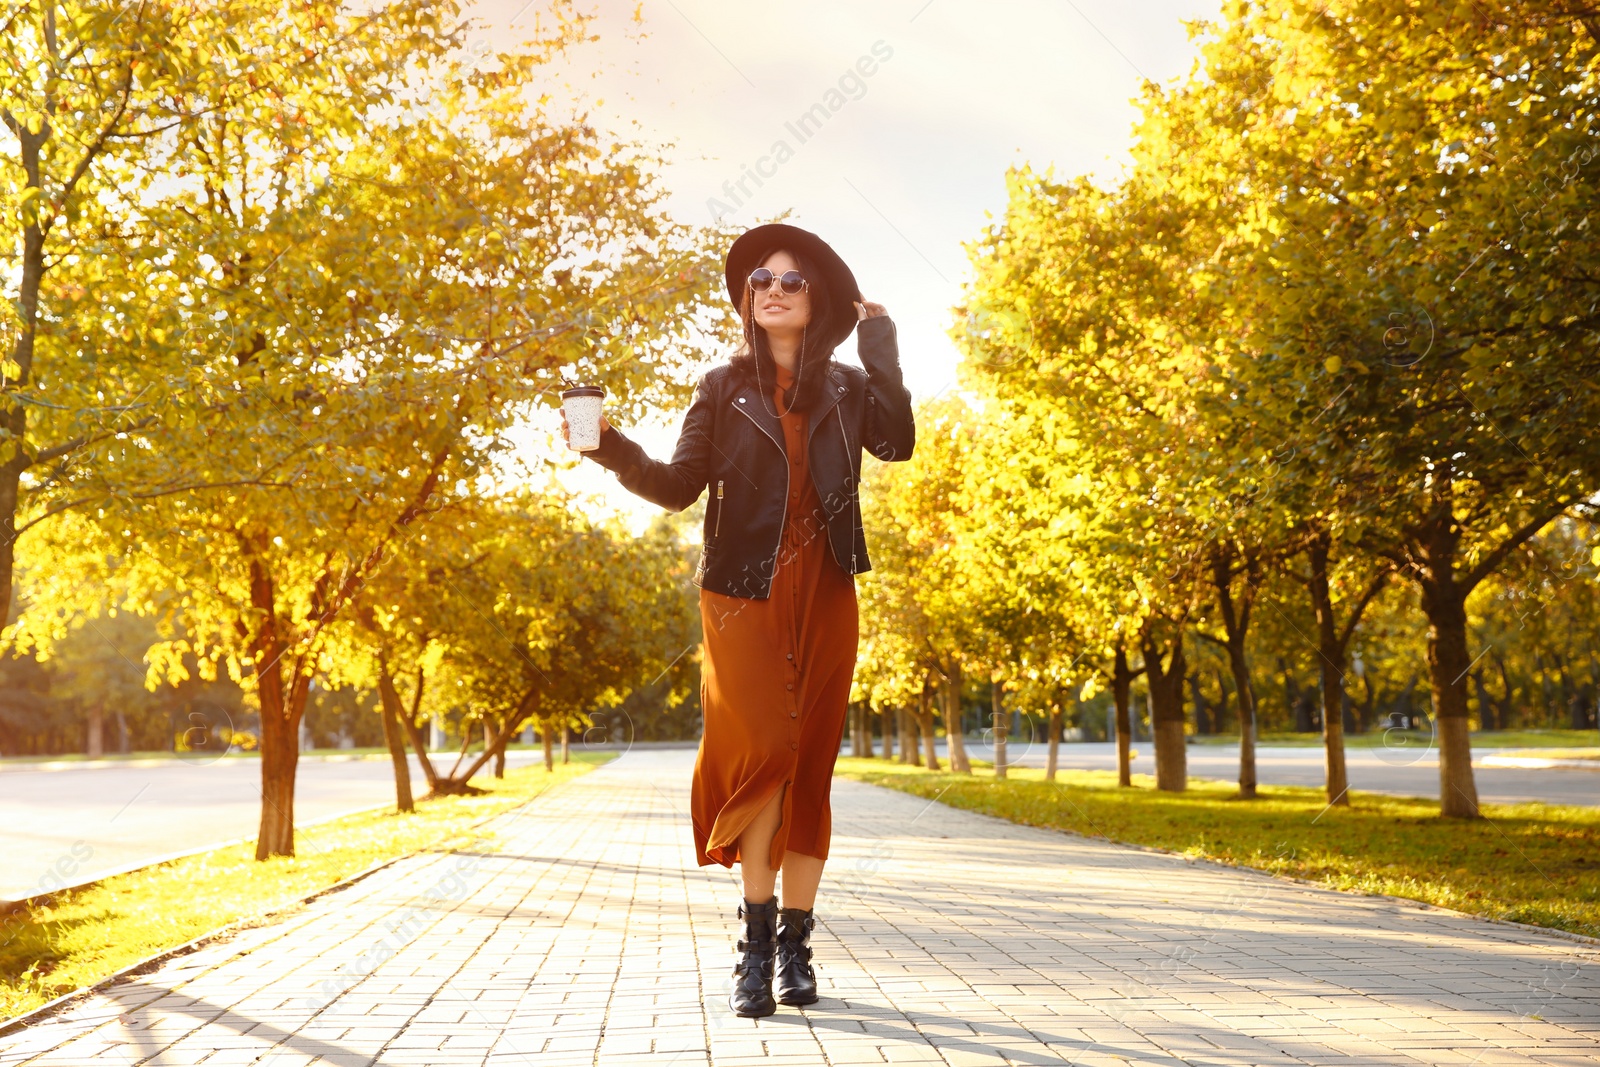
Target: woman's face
(777,311)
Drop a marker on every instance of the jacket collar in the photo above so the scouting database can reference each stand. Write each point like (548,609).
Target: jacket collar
(830,396)
(759,408)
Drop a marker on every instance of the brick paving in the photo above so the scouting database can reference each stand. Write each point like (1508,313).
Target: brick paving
(585,935)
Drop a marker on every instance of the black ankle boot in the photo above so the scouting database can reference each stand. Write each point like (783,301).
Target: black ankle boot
(752,971)
(795,981)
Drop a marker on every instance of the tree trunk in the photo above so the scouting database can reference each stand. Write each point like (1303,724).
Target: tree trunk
(1166,713)
(281,708)
(493,746)
(886,725)
(997,708)
(930,753)
(952,722)
(1219,719)
(389,708)
(419,745)
(1444,602)
(566,745)
(408,723)
(15,416)
(1121,696)
(545,729)
(908,745)
(1055,743)
(1202,716)
(1507,700)
(1448,663)
(1330,663)
(1368,703)
(1236,624)
(95,744)
(498,747)
(524,713)
(280,761)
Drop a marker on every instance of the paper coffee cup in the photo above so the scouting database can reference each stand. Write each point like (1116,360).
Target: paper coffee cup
(582,406)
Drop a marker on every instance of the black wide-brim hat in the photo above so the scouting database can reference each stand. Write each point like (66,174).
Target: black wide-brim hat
(756,244)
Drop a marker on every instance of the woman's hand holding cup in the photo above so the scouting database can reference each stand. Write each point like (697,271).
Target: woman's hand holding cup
(583,402)
(605,424)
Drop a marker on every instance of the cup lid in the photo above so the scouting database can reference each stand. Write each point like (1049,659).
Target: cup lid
(584,390)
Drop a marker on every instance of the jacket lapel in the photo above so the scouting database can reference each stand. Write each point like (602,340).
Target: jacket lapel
(747,398)
(831,396)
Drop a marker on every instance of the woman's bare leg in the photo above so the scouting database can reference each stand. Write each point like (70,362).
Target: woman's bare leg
(801,876)
(801,873)
(755,846)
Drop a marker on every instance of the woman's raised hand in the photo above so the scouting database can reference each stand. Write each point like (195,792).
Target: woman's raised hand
(869,310)
(605,425)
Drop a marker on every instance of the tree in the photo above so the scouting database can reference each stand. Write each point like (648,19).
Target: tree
(918,602)
(1278,258)
(95,96)
(553,619)
(386,295)
(1399,292)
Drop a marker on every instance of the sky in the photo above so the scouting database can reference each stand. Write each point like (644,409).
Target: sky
(928,102)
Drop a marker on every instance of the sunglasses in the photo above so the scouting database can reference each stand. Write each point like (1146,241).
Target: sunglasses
(791,282)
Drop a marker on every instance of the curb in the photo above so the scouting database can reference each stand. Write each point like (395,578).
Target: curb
(19,1022)
(9,906)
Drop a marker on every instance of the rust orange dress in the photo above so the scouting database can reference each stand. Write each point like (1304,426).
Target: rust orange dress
(775,683)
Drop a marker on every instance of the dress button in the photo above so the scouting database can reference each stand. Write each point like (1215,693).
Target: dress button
(790,687)
(791,655)
(794,745)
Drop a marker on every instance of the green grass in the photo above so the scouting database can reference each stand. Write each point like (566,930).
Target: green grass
(1384,738)
(1530,863)
(81,936)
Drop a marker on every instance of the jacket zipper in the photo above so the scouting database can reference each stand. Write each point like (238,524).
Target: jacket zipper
(847,466)
(718,531)
(786,480)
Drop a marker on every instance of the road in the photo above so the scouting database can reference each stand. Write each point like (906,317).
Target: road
(72,823)
(67,824)
(1409,772)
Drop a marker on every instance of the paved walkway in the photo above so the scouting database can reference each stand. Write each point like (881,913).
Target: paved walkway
(587,936)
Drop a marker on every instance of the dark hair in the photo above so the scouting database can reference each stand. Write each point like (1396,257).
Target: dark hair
(755,354)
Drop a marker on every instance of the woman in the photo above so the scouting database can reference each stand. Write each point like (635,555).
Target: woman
(776,435)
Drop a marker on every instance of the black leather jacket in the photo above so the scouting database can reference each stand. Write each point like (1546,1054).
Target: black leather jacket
(732,444)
